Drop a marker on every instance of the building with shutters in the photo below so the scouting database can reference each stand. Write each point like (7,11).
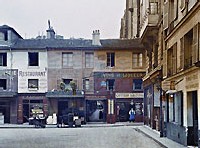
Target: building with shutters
(169,31)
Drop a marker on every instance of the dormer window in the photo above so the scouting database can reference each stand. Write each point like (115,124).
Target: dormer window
(3,59)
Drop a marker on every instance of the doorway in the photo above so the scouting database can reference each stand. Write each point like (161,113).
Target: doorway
(192,112)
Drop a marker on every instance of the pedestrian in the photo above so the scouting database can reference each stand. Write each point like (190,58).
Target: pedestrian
(131,115)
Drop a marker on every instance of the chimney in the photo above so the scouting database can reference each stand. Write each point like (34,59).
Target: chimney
(50,32)
(96,38)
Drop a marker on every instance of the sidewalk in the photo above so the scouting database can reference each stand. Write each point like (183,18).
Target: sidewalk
(155,135)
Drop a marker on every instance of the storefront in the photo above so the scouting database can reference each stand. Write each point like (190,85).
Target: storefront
(26,102)
(96,108)
(126,101)
(62,103)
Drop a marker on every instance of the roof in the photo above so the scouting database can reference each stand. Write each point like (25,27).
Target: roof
(122,43)
(6,27)
(51,43)
(76,44)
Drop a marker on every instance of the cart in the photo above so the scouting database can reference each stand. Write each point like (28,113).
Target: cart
(38,118)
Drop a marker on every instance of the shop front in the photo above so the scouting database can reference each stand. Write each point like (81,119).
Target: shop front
(96,108)
(27,102)
(126,101)
(63,103)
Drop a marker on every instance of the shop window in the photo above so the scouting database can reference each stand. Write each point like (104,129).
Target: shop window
(33,84)
(110,84)
(175,104)
(33,58)
(110,59)
(3,84)
(3,59)
(137,84)
(67,59)
(171,108)
(89,60)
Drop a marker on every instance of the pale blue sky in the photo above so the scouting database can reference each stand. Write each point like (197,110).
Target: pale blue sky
(70,18)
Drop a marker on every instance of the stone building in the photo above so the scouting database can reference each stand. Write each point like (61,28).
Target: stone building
(91,78)
(181,70)
(169,30)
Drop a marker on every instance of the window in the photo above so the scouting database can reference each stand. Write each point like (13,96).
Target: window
(3,59)
(137,84)
(110,84)
(89,60)
(33,58)
(137,60)
(175,104)
(172,60)
(3,85)
(153,7)
(110,59)
(67,83)
(87,84)
(33,84)
(188,40)
(67,59)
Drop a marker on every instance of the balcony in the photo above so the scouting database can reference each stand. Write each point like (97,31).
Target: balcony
(149,24)
(64,94)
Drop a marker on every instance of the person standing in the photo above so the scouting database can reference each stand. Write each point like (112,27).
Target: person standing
(131,115)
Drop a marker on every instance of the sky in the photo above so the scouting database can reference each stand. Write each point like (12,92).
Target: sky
(69,18)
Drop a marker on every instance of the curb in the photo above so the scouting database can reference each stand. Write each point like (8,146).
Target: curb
(162,145)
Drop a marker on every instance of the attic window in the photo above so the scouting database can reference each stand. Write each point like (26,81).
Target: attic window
(33,58)
(3,59)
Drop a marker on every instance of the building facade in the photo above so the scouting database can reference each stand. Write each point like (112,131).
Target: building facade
(169,30)
(181,70)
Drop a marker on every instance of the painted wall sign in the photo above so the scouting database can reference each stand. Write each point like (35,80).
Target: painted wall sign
(32,73)
(118,75)
(129,95)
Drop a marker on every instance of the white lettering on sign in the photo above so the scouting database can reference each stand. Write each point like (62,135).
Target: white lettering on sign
(34,73)
(129,95)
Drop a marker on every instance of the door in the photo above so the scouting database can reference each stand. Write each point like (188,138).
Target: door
(192,110)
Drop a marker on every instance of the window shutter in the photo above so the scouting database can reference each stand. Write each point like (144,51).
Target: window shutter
(182,54)
(195,45)
(165,15)
(175,9)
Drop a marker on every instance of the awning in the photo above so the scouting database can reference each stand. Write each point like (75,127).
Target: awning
(171,91)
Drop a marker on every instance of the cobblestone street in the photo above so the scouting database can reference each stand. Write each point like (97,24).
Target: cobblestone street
(101,137)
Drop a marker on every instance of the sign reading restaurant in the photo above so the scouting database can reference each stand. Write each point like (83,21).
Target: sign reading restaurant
(32,73)
(129,95)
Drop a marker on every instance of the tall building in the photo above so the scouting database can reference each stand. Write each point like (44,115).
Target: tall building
(169,31)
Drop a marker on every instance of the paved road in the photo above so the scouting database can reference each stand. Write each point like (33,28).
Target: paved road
(101,137)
